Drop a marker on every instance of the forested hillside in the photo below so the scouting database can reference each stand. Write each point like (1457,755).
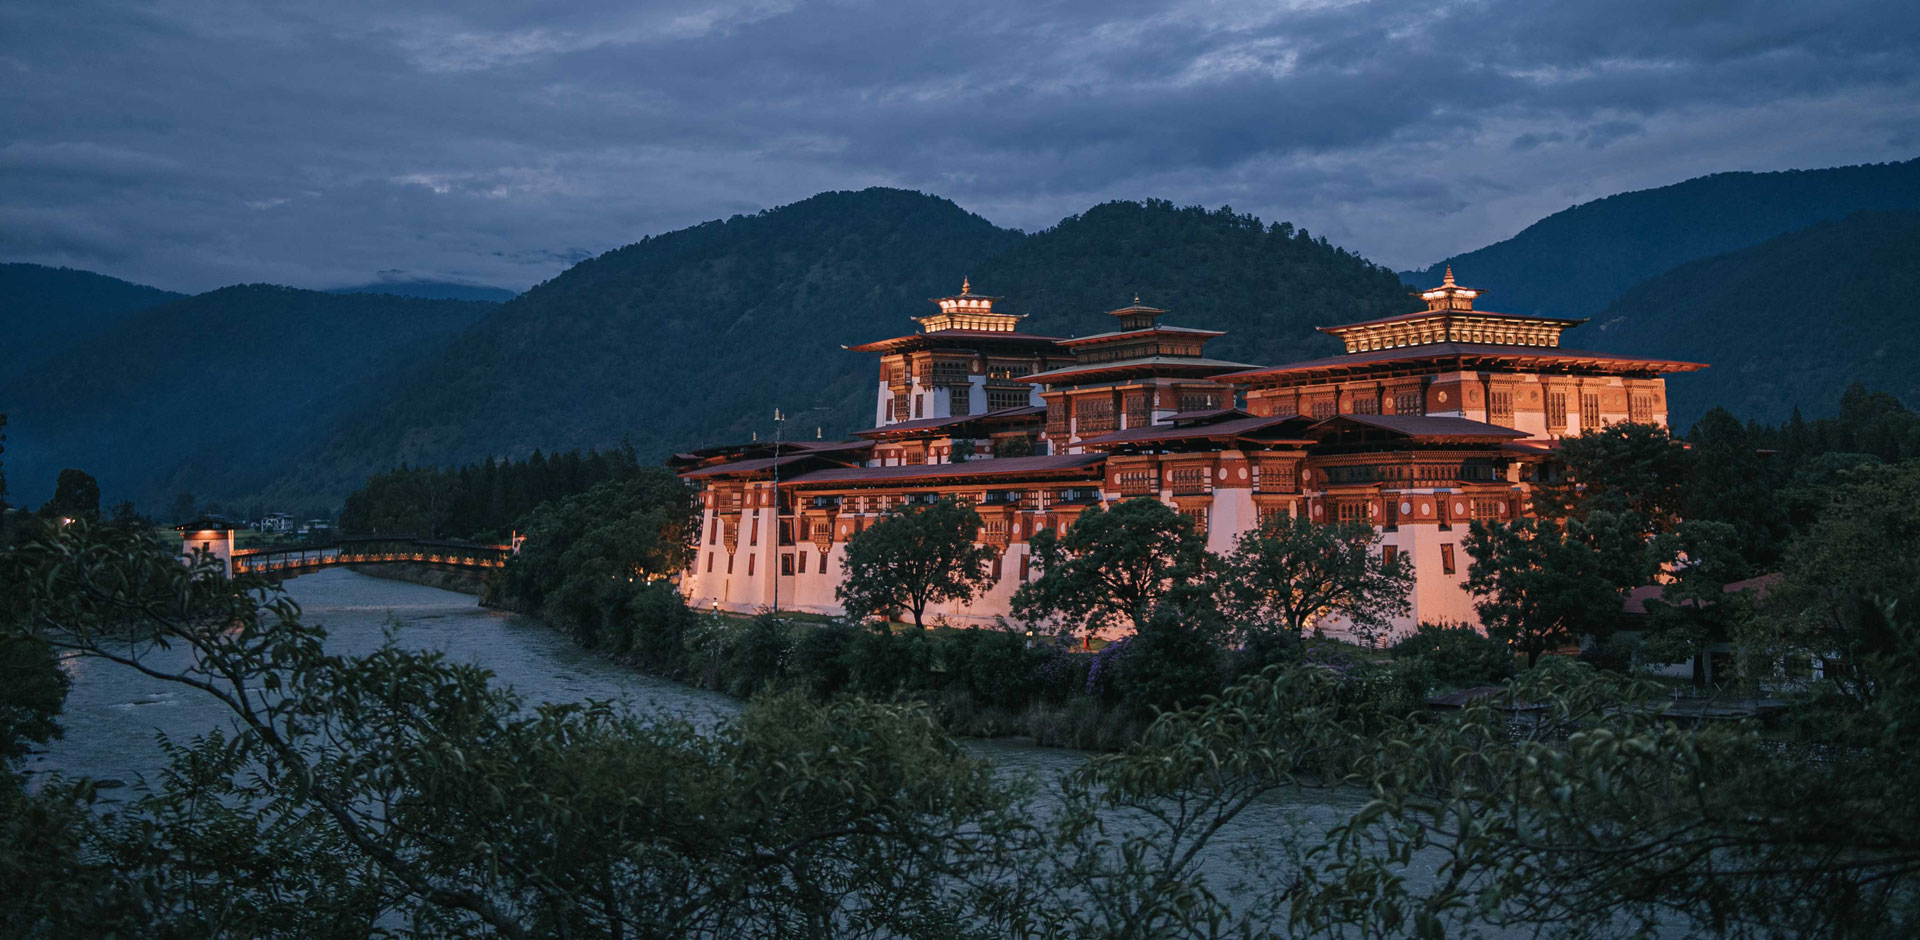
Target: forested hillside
(207,393)
(694,337)
(1578,261)
(1791,321)
(1268,286)
(430,290)
(45,311)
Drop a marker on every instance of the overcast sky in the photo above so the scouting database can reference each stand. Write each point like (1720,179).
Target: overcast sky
(195,143)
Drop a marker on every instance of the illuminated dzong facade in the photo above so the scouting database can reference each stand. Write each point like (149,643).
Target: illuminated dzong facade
(1428,420)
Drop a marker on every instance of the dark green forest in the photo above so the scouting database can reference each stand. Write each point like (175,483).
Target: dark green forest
(209,393)
(47,311)
(481,502)
(1577,261)
(1791,321)
(694,337)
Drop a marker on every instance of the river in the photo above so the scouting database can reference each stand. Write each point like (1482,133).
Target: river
(114,716)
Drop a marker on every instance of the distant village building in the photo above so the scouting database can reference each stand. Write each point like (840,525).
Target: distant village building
(276,522)
(1429,420)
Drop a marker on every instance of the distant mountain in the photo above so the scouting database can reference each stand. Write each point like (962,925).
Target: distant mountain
(1790,321)
(208,393)
(432,290)
(45,311)
(1578,261)
(694,337)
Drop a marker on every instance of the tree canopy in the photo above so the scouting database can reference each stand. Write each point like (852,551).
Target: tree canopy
(915,557)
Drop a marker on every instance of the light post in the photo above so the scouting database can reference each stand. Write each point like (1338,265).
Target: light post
(779,425)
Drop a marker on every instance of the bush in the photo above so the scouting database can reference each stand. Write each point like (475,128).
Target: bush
(1457,655)
(660,624)
(1613,655)
(758,656)
(1170,663)
(820,659)
(995,665)
(887,665)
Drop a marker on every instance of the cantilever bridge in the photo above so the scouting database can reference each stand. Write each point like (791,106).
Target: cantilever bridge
(371,550)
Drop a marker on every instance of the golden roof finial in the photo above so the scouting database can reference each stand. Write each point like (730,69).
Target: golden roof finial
(1448,280)
(966,285)
(1136,298)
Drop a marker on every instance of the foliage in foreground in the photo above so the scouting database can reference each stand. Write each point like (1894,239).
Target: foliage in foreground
(396,790)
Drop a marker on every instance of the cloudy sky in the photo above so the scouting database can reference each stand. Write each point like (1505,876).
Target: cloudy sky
(194,143)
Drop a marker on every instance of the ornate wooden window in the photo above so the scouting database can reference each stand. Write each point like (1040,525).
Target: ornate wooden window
(1485,508)
(786,563)
(1198,514)
(1500,408)
(1093,415)
(1188,481)
(1139,412)
(1589,412)
(1366,405)
(1556,411)
(1000,399)
(1446,558)
(1388,553)
(1138,482)
(1409,403)
(1199,400)
(1266,513)
(1640,409)
(1351,510)
(803,562)
(1323,408)
(754,537)
(960,400)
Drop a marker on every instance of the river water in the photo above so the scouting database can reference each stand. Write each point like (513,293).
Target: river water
(114,716)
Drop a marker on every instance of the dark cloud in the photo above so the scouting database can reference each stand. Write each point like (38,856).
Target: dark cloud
(203,142)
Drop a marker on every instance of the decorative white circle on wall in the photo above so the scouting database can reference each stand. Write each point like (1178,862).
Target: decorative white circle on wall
(1223,473)
(1406,508)
(1316,509)
(1243,473)
(1442,396)
(1459,508)
(1501,505)
(1426,510)
(1306,476)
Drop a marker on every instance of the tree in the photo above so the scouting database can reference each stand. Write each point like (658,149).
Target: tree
(913,558)
(1694,609)
(1863,551)
(1620,468)
(399,787)
(1540,584)
(1290,573)
(1115,566)
(75,496)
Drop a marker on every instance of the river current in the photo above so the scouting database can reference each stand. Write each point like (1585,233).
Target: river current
(115,716)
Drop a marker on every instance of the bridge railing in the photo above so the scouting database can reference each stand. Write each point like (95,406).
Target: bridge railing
(371,550)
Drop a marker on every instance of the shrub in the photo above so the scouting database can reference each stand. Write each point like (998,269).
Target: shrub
(1456,654)
(1173,661)
(660,622)
(886,665)
(995,665)
(820,658)
(758,655)
(1613,655)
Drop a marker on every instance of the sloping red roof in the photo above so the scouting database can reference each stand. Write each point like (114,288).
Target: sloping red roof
(1421,314)
(989,467)
(970,336)
(1539,356)
(1145,365)
(1234,427)
(927,424)
(756,465)
(1427,426)
(1143,331)
(1636,599)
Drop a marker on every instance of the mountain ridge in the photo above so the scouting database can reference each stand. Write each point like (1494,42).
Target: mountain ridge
(1578,260)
